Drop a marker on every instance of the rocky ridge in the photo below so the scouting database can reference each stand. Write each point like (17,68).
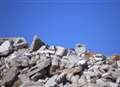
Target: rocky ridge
(41,65)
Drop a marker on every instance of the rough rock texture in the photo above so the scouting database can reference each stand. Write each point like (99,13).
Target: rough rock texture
(42,65)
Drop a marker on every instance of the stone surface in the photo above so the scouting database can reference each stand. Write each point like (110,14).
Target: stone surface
(80,48)
(6,48)
(36,43)
(60,51)
(10,77)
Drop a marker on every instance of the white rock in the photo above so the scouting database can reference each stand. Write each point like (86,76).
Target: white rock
(82,62)
(80,48)
(6,48)
(60,51)
(118,64)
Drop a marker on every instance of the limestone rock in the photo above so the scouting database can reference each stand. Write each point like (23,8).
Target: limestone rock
(10,77)
(36,43)
(6,48)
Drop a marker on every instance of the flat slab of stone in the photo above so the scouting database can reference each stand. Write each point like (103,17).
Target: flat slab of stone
(5,48)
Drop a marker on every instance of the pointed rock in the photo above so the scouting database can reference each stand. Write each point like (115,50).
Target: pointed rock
(36,43)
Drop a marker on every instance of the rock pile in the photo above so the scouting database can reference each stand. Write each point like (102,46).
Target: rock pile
(42,65)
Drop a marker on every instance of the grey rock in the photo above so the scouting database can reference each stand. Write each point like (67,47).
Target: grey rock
(67,85)
(20,61)
(32,84)
(26,82)
(54,64)
(38,75)
(80,48)
(75,79)
(42,65)
(118,64)
(39,67)
(110,84)
(10,77)
(17,59)
(23,78)
(82,81)
(60,51)
(99,57)
(70,61)
(100,82)
(36,43)
(55,61)
(20,43)
(51,82)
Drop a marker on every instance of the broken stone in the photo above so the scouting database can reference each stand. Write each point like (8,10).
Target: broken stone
(6,48)
(70,61)
(99,57)
(36,43)
(118,64)
(51,82)
(20,43)
(80,48)
(10,77)
(60,51)
(82,81)
(23,78)
(82,61)
(39,67)
(20,61)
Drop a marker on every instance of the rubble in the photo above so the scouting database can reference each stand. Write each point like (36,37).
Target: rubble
(42,65)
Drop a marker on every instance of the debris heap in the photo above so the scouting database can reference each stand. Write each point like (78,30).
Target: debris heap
(41,65)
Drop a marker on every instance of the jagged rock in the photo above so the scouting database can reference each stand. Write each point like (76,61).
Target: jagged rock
(42,65)
(51,82)
(110,84)
(39,67)
(82,81)
(60,51)
(20,61)
(17,59)
(23,78)
(118,64)
(99,57)
(10,77)
(20,43)
(54,64)
(6,48)
(80,48)
(67,85)
(36,43)
(17,83)
(70,61)
(32,84)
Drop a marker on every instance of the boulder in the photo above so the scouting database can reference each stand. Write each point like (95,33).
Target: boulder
(36,43)
(6,48)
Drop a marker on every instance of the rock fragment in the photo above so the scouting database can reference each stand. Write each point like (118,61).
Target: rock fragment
(6,48)
(80,48)
(36,43)
(20,43)
(10,77)
(60,51)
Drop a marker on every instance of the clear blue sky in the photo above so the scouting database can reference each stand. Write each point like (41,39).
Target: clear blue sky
(95,23)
